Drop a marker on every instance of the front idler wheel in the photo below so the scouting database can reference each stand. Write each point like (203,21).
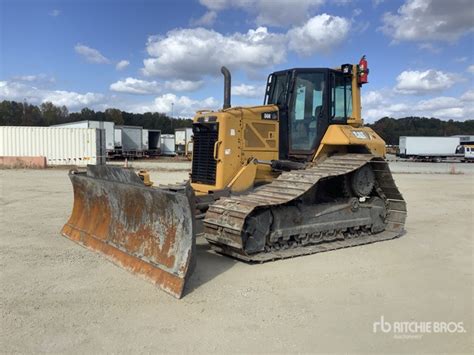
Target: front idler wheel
(362,181)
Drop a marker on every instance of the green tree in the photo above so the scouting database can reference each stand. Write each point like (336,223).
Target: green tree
(390,129)
(114,115)
(51,114)
(87,114)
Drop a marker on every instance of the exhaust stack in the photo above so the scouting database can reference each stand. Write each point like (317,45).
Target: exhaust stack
(227,83)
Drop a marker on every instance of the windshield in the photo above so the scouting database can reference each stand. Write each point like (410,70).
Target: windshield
(307,109)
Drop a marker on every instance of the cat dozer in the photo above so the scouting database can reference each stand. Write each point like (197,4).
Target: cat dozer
(298,175)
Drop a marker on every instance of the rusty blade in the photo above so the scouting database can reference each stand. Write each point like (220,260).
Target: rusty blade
(146,230)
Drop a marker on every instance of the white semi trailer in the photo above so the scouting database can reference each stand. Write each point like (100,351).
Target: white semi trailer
(183,139)
(151,142)
(130,138)
(428,148)
(107,126)
(167,144)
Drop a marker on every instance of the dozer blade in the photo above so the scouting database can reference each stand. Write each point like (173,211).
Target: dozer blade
(146,230)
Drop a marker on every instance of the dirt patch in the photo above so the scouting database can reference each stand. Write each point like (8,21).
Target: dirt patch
(22,162)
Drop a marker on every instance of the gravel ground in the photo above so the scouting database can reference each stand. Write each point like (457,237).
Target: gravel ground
(399,166)
(59,297)
(411,167)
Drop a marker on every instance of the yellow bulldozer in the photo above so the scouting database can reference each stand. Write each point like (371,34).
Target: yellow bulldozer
(298,175)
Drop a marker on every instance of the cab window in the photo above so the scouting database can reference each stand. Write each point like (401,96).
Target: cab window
(341,98)
(306,110)
(279,83)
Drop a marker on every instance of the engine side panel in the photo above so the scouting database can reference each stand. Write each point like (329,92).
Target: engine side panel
(244,133)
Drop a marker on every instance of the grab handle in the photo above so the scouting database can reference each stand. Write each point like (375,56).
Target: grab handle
(216,150)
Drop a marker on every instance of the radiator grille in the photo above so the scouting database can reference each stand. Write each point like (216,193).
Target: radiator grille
(204,166)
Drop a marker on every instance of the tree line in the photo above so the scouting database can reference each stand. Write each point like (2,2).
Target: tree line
(390,129)
(14,113)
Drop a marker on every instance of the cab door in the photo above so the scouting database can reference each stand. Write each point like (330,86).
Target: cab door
(307,112)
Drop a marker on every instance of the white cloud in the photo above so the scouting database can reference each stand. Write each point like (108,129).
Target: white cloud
(55,13)
(437,103)
(36,78)
(145,87)
(430,47)
(29,78)
(460,59)
(249,91)
(445,107)
(136,86)
(284,12)
(189,54)
(418,83)
(19,91)
(269,12)
(373,98)
(183,85)
(430,20)
(121,65)
(378,104)
(72,99)
(468,96)
(205,20)
(470,69)
(320,34)
(90,54)
(356,12)
(182,106)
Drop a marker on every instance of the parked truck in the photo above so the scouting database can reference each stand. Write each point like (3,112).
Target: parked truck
(428,148)
(466,151)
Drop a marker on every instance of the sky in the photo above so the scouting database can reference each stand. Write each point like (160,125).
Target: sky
(165,56)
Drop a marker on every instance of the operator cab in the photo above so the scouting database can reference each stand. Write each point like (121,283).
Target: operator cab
(309,100)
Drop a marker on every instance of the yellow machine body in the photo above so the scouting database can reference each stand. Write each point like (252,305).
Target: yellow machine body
(244,139)
(243,136)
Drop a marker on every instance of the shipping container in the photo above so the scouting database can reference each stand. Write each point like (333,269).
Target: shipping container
(183,137)
(131,137)
(106,125)
(428,147)
(60,146)
(167,144)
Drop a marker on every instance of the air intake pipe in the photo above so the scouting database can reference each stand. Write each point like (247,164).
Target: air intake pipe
(227,83)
